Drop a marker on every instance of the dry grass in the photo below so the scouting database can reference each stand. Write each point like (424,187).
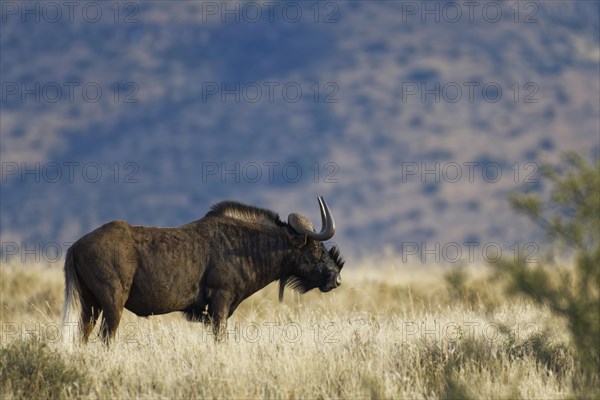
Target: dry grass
(396,333)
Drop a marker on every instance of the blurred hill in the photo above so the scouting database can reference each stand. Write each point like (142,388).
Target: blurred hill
(413,122)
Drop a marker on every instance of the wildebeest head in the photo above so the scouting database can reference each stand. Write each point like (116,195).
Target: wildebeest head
(312,265)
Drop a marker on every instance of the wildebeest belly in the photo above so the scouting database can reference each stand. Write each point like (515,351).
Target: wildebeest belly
(162,293)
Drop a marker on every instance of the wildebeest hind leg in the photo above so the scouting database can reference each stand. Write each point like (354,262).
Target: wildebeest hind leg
(90,311)
(110,322)
(89,316)
(112,309)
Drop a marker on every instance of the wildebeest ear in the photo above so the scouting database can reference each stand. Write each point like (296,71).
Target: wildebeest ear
(299,241)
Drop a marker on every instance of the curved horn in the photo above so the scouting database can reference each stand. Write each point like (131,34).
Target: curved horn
(327,229)
(323,213)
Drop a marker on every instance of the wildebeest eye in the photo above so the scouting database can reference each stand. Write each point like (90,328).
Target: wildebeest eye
(316,250)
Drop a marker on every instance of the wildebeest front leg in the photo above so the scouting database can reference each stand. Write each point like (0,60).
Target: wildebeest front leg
(220,302)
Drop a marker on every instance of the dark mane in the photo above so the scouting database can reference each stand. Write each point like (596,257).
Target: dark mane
(335,255)
(246,213)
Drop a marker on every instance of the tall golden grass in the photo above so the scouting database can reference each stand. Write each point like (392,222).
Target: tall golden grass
(385,333)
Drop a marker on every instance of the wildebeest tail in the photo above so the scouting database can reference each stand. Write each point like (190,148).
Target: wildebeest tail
(72,306)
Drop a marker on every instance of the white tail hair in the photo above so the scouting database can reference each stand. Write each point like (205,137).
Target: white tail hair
(71,323)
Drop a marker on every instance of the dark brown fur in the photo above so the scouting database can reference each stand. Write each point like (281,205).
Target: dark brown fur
(204,269)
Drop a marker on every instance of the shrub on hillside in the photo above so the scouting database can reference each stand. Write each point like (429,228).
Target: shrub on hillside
(570,218)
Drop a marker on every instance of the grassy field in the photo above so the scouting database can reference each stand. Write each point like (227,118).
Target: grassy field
(385,333)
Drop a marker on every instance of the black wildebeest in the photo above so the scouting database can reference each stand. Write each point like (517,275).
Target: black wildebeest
(204,269)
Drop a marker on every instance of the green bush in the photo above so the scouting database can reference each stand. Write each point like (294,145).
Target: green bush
(29,369)
(570,217)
